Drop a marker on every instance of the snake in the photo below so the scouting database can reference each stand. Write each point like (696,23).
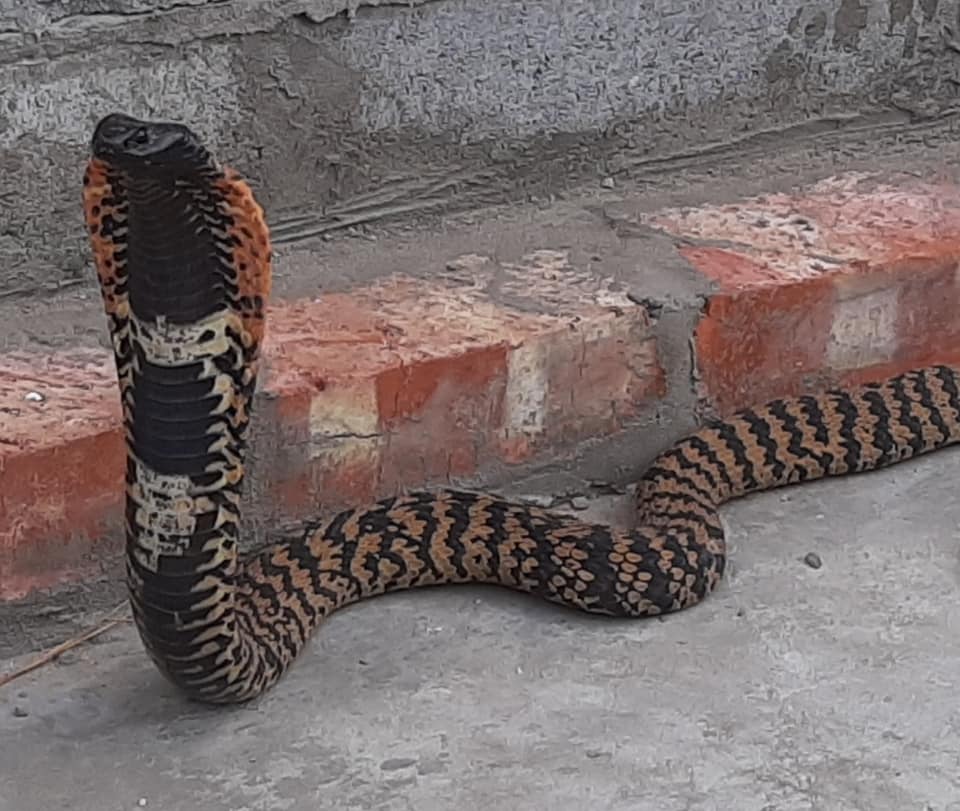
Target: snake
(183,259)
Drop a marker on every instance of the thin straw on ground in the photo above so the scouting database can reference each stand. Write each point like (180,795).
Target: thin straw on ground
(51,654)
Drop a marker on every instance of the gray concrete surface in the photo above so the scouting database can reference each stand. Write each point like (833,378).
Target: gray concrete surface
(790,689)
(361,111)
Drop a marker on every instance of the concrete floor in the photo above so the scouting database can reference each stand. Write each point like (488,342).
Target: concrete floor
(791,688)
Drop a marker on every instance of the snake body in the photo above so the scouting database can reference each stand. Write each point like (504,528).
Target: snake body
(183,256)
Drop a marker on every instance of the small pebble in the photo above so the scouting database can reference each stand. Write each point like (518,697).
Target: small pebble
(812,559)
(595,753)
(68,658)
(579,503)
(34,397)
(20,712)
(142,802)
(607,183)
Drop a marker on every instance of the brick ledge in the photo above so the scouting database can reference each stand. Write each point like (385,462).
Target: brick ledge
(406,382)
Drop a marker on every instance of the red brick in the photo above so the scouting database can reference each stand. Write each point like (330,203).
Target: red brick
(761,342)
(848,280)
(927,322)
(57,503)
(436,413)
(598,377)
(404,391)
(61,466)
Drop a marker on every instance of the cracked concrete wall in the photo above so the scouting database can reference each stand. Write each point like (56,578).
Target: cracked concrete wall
(356,107)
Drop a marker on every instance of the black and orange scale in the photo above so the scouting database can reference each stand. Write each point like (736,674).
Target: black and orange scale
(183,255)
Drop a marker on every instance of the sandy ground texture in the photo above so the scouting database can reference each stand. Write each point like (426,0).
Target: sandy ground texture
(822,675)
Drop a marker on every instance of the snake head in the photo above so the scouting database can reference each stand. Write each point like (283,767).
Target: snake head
(148,147)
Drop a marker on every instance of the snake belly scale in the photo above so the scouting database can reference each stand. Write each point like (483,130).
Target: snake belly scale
(182,252)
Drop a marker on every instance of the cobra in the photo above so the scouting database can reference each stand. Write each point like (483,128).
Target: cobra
(183,257)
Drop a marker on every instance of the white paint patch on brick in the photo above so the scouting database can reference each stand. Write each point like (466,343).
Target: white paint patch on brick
(343,416)
(348,454)
(526,395)
(864,329)
(344,427)
(64,109)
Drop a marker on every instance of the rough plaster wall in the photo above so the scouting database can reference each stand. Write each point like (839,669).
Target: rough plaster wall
(524,68)
(320,104)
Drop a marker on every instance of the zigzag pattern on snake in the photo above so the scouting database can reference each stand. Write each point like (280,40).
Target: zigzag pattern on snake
(183,256)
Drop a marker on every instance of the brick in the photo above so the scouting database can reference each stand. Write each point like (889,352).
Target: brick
(61,455)
(399,384)
(927,324)
(849,280)
(761,341)
(863,328)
